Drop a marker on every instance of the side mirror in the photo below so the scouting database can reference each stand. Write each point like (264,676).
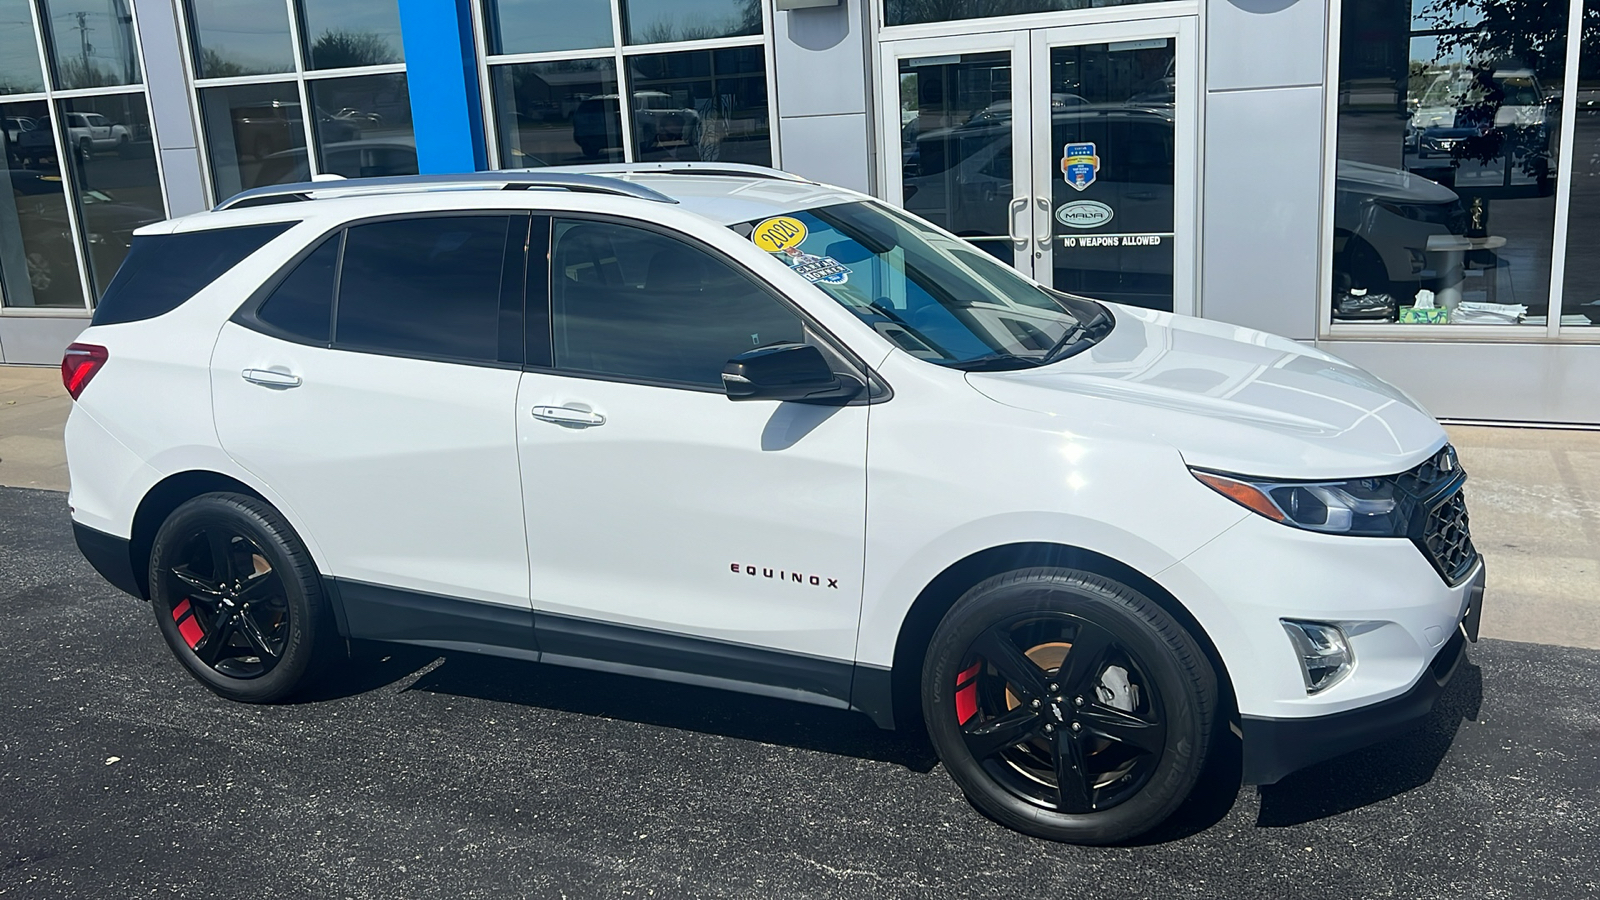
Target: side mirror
(796,372)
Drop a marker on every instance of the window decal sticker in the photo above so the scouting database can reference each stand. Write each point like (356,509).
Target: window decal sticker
(1079,164)
(1084,214)
(779,233)
(816,268)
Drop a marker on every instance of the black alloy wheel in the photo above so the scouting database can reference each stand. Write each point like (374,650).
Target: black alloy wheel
(1067,705)
(237,597)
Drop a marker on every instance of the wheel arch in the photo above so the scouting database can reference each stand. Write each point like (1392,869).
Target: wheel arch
(158,503)
(936,598)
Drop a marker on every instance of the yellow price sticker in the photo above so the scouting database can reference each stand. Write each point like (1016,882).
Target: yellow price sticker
(778,234)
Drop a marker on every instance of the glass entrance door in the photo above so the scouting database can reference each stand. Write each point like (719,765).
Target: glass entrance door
(1067,152)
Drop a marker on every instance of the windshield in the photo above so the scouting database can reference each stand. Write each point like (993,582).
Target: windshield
(935,296)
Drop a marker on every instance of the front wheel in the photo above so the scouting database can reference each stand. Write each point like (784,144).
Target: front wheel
(238,599)
(1068,706)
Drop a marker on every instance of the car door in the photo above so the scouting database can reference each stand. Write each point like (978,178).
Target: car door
(669,528)
(372,386)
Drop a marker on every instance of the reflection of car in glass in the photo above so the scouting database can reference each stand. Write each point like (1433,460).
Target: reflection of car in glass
(358,117)
(1050,558)
(272,126)
(351,159)
(1382,221)
(1383,217)
(109,222)
(656,119)
(87,133)
(15,127)
(1482,116)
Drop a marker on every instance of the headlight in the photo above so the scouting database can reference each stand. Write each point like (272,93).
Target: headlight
(1360,506)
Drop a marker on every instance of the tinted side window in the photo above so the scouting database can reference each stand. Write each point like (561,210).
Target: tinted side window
(302,304)
(162,271)
(427,287)
(633,303)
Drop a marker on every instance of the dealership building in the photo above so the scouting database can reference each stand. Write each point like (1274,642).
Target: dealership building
(1413,185)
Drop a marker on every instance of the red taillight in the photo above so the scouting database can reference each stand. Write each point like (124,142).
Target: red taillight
(79,365)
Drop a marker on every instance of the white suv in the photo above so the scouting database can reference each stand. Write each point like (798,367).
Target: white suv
(491,413)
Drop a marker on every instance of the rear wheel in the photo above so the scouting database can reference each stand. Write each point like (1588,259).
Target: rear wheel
(1068,706)
(238,599)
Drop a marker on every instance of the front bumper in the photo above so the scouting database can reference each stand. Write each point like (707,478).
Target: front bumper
(1274,748)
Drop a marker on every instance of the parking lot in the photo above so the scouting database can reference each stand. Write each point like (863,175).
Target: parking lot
(417,775)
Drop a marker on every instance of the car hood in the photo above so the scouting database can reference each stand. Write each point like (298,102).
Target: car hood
(1390,184)
(1227,398)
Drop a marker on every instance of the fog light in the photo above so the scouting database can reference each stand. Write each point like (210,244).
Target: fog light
(1325,654)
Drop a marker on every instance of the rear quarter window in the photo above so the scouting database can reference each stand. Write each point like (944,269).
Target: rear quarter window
(162,271)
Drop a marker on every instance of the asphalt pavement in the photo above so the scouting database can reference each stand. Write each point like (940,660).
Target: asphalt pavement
(416,774)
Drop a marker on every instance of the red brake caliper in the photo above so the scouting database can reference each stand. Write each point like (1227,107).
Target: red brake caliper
(183,614)
(967,693)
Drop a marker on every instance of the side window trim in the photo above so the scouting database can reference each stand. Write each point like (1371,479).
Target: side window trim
(539,339)
(878,390)
(245,315)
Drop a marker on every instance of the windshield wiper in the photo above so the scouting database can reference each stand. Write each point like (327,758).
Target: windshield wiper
(996,362)
(1065,347)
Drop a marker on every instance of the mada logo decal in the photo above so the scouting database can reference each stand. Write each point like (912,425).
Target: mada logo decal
(1085,214)
(781,575)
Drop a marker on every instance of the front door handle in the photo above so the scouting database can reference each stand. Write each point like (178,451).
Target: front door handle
(272,378)
(567,415)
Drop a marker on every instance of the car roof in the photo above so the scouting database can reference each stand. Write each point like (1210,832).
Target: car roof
(723,193)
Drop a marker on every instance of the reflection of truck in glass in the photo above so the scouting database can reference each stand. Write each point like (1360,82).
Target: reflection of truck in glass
(656,119)
(1482,116)
(87,133)
(961,178)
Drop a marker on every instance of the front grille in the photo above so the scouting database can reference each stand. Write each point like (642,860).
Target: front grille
(1446,539)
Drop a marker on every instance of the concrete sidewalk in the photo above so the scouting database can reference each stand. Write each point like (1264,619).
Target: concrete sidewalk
(1534,495)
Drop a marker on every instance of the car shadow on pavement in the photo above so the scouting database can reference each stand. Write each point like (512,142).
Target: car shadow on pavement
(647,701)
(1379,772)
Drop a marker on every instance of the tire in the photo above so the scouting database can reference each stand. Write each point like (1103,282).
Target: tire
(1130,732)
(203,584)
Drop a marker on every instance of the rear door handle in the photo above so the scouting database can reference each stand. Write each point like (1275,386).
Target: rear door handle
(271,378)
(566,415)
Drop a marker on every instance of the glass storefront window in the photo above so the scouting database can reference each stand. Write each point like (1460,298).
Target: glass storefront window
(342,34)
(1449,125)
(92,43)
(37,264)
(19,55)
(240,37)
(1580,303)
(536,26)
(916,12)
(251,130)
(701,105)
(558,113)
(663,21)
(363,129)
(114,176)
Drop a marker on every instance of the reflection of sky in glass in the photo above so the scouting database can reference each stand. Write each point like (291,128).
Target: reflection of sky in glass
(375,23)
(19,60)
(656,21)
(241,37)
(532,26)
(93,42)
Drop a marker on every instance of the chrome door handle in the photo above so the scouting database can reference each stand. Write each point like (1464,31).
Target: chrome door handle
(1018,203)
(1045,234)
(566,415)
(271,378)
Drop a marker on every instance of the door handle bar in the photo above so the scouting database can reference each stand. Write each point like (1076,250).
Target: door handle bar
(1016,204)
(271,378)
(566,415)
(1045,234)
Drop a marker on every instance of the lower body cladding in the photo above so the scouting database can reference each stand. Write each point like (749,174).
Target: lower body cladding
(1403,623)
(1404,626)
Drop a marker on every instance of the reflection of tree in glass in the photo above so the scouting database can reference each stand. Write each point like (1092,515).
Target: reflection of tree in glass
(343,49)
(1507,47)
(747,20)
(81,73)
(214,65)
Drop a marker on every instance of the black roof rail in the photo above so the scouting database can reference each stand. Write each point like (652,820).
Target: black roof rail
(401,184)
